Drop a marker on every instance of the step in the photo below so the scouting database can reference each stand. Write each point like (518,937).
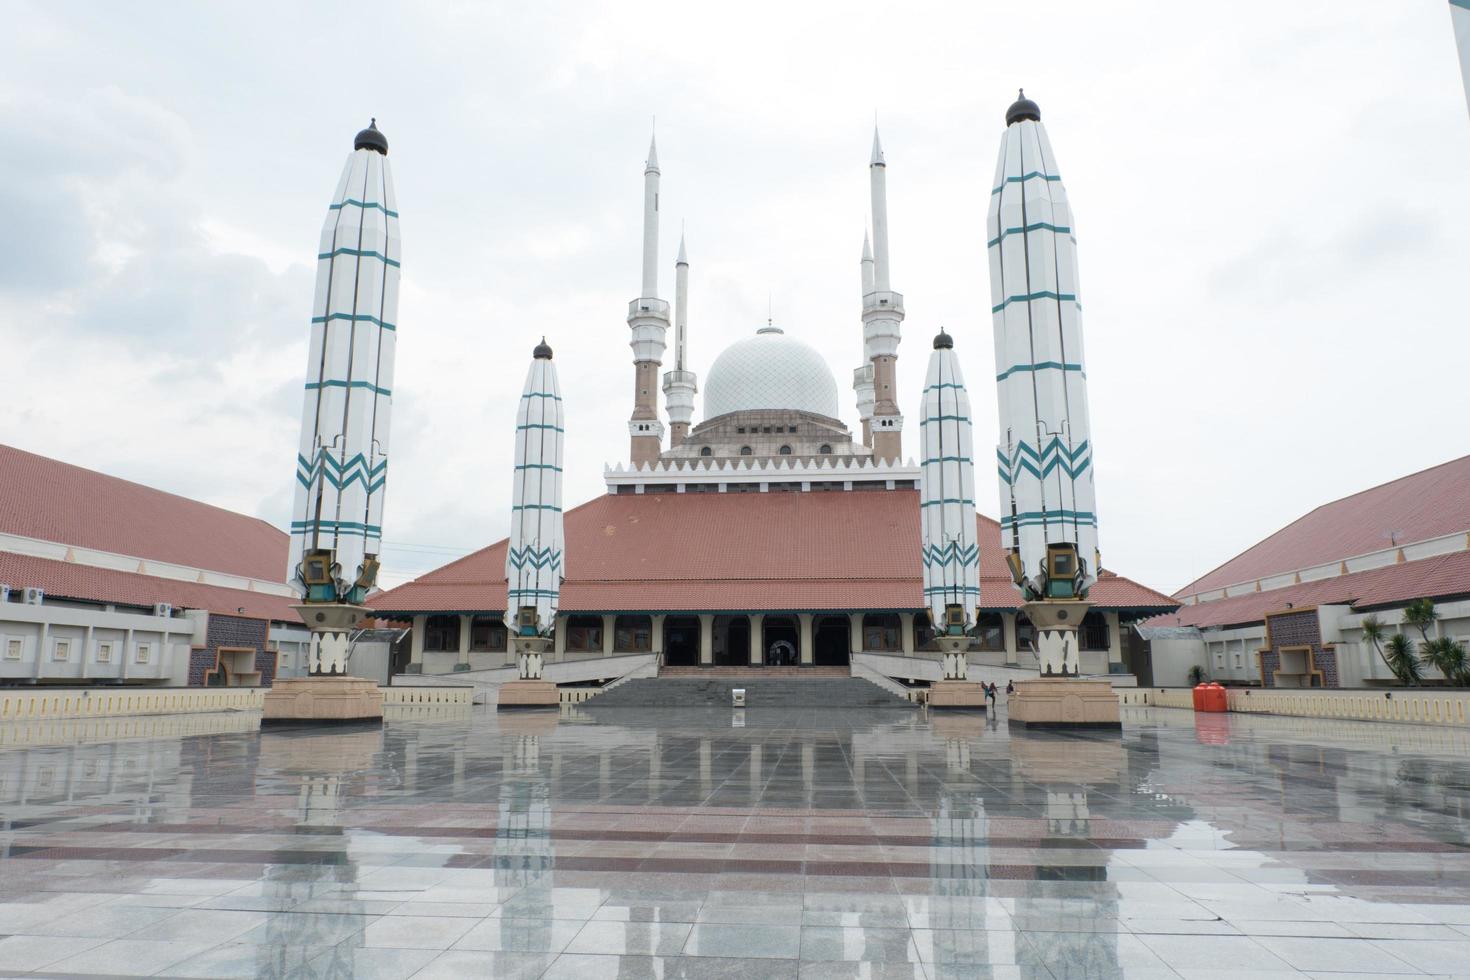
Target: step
(680,692)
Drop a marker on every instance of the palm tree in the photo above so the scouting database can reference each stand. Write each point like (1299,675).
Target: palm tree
(1421,616)
(1373,632)
(1448,656)
(1399,655)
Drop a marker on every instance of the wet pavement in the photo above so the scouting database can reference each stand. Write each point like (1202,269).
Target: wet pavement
(715,843)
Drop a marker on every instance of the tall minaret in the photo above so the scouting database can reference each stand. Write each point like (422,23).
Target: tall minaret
(882,315)
(680,383)
(648,318)
(342,458)
(862,378)
(1048,514)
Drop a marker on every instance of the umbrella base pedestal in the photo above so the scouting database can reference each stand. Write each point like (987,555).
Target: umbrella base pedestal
(528,694)
(1049,702)
(957,695)
(327,700)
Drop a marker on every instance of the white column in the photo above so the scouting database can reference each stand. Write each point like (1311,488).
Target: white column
(464,639)
(559,641)
(1115,638)
(415,644)
(656,635)
(1008,637)
(807,635)
(856,629)
(757,638)
(608,622)
(906,633)
(706,639)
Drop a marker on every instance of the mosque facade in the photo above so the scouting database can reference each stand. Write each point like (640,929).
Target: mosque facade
(765,534)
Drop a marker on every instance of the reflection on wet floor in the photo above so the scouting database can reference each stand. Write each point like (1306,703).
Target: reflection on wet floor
(699,843)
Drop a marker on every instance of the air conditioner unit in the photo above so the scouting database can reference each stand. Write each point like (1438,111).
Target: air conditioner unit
(163,609)
(33,597)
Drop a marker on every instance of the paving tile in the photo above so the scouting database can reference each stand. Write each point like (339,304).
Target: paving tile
(457,964)
(520,935)
(763,942)
(631,938)
(132,956)
(27,953)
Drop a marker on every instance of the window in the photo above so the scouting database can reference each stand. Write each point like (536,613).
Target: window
(104,652)
(706,451)
(745,450)
(923,629)
(766,430)
(13,649)
(487,633)
(441,634)
(740,429)
(882,632)
(1240,660)
(61,649)
(632,634)
(990,630)
(826,450)
(584,634)
(1094,631)
(791,428)
(785,450)
(141,653)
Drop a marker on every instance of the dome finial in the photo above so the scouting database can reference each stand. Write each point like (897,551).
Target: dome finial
(943,341)
(371,139)
(1022,108)
(542,351)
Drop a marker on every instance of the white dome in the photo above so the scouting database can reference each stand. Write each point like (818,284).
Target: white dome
(770,371)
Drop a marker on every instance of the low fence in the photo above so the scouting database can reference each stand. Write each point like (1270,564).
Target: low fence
(1409,705)
(41,704)
(397,695)
(21,705)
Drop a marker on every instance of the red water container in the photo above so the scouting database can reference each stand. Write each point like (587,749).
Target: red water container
(1199,697)
(1213,698)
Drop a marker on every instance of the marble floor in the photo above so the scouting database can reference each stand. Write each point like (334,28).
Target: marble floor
(716,843)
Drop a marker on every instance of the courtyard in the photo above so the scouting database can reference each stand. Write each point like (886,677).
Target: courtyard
(723,843)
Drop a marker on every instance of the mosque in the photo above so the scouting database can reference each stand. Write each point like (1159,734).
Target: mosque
(766,535)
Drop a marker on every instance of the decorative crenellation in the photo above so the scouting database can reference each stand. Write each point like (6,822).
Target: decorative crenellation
(717,475)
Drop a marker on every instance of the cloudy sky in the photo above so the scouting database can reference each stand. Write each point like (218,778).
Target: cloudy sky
(1273,204)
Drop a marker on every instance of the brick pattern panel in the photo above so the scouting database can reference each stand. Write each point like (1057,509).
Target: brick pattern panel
(1296,629)
(230,631)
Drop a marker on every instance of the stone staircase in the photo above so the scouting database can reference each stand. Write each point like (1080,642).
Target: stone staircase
(765,687)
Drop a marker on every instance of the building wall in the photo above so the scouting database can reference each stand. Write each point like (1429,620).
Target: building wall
(102,644)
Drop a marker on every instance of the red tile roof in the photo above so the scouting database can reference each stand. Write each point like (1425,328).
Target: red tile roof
(1427,504)
(61,579)
(751,551)
(1441,577)
(47,499)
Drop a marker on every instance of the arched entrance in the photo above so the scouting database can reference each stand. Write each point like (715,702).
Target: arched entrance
(832,641)
(731,641)
(781,645)
(681,641)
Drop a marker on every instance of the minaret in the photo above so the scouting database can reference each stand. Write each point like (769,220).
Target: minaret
(862,378)
(342,458)
(1048,515)
(882,315)
(680,383)
(648,318)
(534,557)
(950,538)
